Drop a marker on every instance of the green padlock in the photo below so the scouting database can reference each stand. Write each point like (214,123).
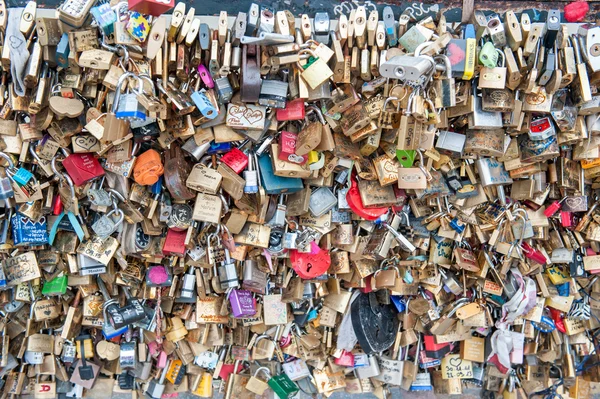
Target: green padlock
(488,56)
(283,387)
(406,157)
(56,286)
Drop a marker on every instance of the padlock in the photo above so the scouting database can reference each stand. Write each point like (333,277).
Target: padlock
(243,304)
(157,387)
(106,225)
(205,106)
(82,168)
(493,77)
(390,119)
(316,71)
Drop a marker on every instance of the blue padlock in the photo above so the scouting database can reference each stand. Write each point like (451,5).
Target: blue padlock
(205,106)
(457,225)
(276,184)
(22,176)
(28,232)
(218,148)
(62,51)
(105,17)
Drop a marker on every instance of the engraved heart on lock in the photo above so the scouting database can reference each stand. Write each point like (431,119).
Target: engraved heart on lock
(105,226)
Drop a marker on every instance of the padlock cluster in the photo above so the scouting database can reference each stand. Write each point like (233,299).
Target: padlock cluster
(267,204)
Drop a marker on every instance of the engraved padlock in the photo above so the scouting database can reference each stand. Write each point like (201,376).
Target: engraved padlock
(106,225)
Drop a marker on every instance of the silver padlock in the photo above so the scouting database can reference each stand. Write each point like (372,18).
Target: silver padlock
(99,197)
(342,203)
(278,219)
(450,143)
(369,370)
(276,242)
(195,150)
(289,240)
(89,266)
(157,387)
(228,277)
(322,201)
(224,90)
(105,226)
(128,355)
(340,217)
(480,119)
(188,287)
(522,228)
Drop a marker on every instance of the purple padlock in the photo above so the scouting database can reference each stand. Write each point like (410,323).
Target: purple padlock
(243,303)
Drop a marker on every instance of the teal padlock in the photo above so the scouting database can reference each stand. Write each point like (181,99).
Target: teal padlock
(56,286)
(22,176)
(488,56)
(283,386)
(406,157)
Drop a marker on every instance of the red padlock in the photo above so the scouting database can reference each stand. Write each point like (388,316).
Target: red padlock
(368,285)
(558,319)
(355,203)
(433,349)
(82,168)
(287,148)
(57,206)
(533,254)
(152,7)
(293,111)
(236,160)
(174,243)
(566,219)
(309,265)
(228,368)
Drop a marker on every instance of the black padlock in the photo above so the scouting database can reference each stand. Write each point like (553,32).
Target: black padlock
(86,372)
(375,325)
(126,381)
(576,265)
(119,317)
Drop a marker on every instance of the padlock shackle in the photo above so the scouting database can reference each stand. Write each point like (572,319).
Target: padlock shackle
(148,79)
(318,112)
(114,193)
(8,160)
(420,48)
(63,176)
(103,290)
(457,305)
(447,64)
(119,87)
(387,100)
(265,370)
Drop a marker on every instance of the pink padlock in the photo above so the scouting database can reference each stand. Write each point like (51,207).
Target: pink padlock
(161,361)
(566,219)
(346,359)
(287,148)
(205,76)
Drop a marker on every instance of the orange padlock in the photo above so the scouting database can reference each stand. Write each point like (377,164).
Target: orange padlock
(148,168)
